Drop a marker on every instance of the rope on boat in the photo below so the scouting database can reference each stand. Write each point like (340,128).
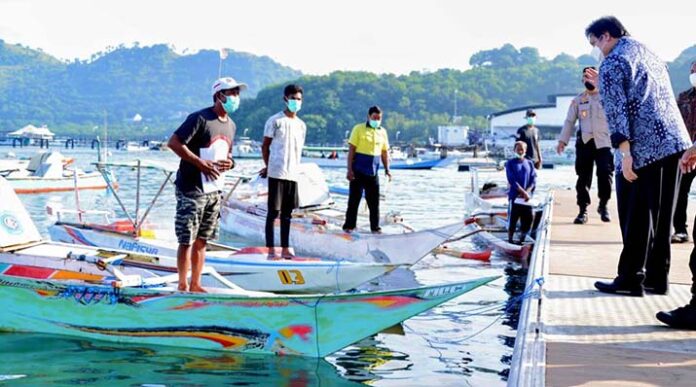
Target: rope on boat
(528,292)
(337,266)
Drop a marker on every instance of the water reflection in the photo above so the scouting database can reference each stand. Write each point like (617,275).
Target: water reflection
(42,359)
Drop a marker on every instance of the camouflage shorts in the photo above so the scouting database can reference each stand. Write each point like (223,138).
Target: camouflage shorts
(197,216)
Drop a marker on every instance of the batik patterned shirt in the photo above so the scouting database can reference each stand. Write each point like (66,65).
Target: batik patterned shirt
(639,103)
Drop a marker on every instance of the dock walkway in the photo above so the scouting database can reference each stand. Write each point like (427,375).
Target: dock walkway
(600,339)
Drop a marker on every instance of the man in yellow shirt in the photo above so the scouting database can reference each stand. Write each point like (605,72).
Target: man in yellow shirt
(368,144)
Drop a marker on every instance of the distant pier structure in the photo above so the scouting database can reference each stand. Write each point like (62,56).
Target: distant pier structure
(31,134)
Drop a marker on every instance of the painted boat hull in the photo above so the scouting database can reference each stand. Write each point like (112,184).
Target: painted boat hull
(398,164)
(316,240)
(309,325)
(28,185)
(249,270)
(498,241)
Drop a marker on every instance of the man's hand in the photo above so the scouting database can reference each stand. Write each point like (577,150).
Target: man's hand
(263,172)
(209,169)
(388,174)
(560,147)
(627,168)
(592,76)
(688,160)
(537,164)
(350,176)
(525,195)
(224,165)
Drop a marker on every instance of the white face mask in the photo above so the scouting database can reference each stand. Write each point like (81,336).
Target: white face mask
(597,54)
(692,79)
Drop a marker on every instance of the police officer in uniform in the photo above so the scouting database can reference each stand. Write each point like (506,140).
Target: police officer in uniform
(592,147)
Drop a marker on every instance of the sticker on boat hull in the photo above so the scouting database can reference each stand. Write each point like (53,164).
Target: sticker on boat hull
(10,224)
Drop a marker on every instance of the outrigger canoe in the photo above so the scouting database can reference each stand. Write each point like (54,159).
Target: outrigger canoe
(248,267)
(418,164)
(316,226)
(71,290)
(320,236)
(49,172)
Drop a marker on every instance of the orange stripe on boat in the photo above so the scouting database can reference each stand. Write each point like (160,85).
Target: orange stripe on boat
(223,340)
(73,275)
(387,302)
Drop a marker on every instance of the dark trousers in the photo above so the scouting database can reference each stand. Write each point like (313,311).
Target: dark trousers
(682,202)
(646,253)
(623,192)
(282,199)
(370,185)
(523,214)
(586,157)
(692,266)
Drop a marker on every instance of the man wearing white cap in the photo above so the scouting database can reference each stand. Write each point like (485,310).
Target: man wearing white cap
(204,144)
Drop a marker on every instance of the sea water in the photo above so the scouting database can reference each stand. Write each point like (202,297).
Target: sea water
(466,341)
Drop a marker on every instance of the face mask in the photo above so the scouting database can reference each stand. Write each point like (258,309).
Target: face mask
(375,123)
(294,105)
(531,121)
(519,156)
(692,79)
(231,103)
(589,86)
(597,54)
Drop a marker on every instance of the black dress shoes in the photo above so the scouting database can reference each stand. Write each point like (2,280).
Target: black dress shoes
(680,318)
(661,290)
(604,213)
(581,218)
(616,287)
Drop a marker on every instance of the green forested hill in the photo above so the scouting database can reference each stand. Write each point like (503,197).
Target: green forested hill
(154,82)
(163,86)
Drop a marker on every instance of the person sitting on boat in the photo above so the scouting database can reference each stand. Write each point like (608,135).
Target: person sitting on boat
(521,177)
(368,143)
(204,144)
(283,140)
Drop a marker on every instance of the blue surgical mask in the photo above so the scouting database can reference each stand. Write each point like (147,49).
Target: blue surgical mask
(231,103)
(375,123)
(531,121)
(294,105)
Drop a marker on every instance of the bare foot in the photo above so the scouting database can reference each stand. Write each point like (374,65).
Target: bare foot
(183,287)
(197,289)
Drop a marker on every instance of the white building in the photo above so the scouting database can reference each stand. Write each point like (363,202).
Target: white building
(453,135)
(549,117)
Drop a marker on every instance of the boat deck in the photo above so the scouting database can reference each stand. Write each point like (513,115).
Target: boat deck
(600,339)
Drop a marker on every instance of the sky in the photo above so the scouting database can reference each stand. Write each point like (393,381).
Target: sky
(321,36)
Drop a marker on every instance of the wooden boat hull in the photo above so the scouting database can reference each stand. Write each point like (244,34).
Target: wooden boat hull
(398,164)
(317,240)
(31,185)
(497,239)
(310,325)
(247,268)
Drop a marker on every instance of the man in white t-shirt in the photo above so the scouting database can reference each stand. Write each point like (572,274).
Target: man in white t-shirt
(283,139)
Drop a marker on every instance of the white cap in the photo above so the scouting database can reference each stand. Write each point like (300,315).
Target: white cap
(225,84)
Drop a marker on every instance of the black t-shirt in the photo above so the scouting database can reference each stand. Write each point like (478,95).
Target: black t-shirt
(530,135)
(200,130)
